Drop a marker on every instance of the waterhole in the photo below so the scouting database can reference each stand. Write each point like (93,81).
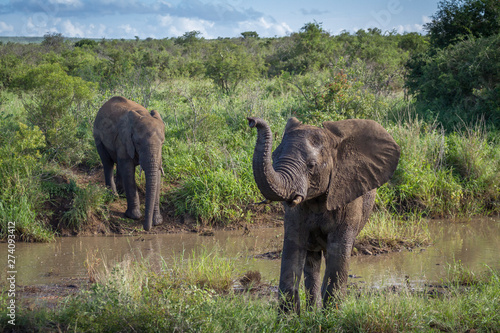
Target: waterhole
(474,243)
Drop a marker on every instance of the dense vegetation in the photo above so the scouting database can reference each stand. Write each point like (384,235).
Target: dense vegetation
(440,102)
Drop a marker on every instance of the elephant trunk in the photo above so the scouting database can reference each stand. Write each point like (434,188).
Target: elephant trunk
(275,186)
(152,172)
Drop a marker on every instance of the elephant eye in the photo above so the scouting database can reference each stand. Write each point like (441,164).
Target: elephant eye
(311,165)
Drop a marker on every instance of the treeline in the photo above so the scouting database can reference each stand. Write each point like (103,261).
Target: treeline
(440,99)
(226,61)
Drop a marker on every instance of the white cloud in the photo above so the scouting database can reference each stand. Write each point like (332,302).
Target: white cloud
(70,30)
(177,26)
(129,30)
(4,27)
(265,28)
(409,28)
(73,3)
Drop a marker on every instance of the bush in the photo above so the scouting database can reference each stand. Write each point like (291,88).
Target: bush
(229,63)
(460,84)
(20,167)
(54,102)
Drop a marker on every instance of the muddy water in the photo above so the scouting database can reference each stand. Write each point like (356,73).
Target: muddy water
(475,243)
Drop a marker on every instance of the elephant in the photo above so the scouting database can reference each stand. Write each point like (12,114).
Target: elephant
(126,134)
(327,180)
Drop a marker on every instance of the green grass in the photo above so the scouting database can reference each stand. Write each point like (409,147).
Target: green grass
(92,199)
(192,294)
(390,230)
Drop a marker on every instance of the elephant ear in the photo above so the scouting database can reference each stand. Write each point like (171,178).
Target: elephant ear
(128,132)
(367,157)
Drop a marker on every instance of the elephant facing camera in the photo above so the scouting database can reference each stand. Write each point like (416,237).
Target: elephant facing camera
(327,179)
(128,135)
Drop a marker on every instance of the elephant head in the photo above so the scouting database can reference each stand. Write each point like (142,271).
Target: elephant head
(339,162)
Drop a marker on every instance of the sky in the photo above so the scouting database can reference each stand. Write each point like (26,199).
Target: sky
(212,18)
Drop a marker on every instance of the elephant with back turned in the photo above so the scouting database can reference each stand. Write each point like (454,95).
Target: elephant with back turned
(126,134)
(327,178)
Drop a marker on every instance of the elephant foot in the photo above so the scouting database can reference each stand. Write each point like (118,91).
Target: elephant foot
(133,214)
(157,219)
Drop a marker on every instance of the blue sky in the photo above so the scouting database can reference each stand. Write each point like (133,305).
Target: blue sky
(213,18)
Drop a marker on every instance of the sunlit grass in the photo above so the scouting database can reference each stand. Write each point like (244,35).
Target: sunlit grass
(389,230)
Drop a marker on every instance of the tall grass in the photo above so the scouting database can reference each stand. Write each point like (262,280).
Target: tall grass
(388,229)
(86,201)
(440,174)
(139,296)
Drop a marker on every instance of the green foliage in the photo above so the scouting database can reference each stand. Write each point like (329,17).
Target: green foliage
(457,20)
(20,164)
(87,201)
(53,40)
(459,84)
(249,34)
(229,63)
(189,38)
(90,43)
(54,98)
(335,95)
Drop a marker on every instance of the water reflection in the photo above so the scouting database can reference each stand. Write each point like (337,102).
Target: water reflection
(475,244)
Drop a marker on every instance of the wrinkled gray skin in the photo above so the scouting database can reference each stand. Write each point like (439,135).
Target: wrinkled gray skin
(327,178)
(126,134)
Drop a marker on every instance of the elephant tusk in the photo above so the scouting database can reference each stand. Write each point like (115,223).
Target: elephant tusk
(140,171)
(162,172)
(296,201)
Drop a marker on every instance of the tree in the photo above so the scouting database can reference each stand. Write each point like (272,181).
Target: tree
(53,40)
(229,63)
(90,43)
(249,34)
(459,19)
(189,37)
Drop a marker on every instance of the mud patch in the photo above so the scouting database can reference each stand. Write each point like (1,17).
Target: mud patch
(48,296)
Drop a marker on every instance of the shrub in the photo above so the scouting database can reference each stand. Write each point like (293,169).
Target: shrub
(20,166)
(54,101)
(229,63)
(459,84)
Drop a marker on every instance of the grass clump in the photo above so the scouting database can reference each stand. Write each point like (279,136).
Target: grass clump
(389,230)
(87,201)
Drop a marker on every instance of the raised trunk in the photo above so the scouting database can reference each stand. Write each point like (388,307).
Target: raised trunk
(271,183)
(152,172)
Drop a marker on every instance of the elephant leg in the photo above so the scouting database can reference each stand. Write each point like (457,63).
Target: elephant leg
(292,264)
(337,267)
(108,164)
(119,183)
(312,278)
(157,218)
(126,169)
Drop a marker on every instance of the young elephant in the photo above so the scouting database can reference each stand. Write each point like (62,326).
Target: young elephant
(127,134)
(327,178)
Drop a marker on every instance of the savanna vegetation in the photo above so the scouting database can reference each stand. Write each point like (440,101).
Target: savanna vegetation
(438,94)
